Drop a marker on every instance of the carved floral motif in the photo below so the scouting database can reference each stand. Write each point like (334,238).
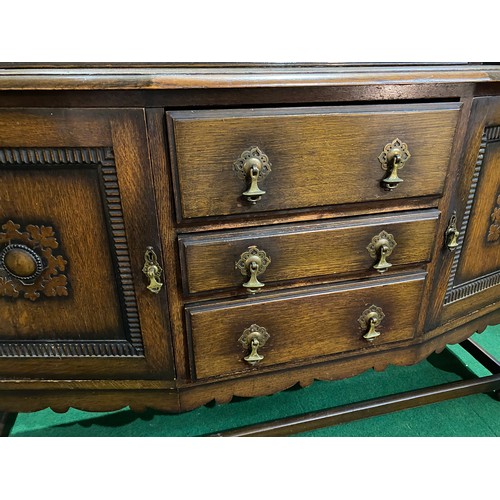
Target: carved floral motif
(41,240)
(494,231)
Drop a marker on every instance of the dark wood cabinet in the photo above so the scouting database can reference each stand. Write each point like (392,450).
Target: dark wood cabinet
(475,269)
(187,235)
(77,214)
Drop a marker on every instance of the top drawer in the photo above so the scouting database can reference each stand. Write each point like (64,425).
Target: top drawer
(306,157)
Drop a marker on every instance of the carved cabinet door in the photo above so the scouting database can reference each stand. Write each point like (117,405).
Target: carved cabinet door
(474,277)
(77,214)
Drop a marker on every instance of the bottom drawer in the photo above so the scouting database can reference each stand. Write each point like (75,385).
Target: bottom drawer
(295,326)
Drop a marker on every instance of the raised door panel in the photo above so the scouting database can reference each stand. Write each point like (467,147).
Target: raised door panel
(75,222)
(474,279)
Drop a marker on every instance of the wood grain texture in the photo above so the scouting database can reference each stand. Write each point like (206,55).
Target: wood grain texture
(303,325)
(441,258)
(103,400)
(473,192)
(208,98)
(54,128)
(140,224)
(324,199)
(252,384)
(479,217)
(305,215)
(166,221)
(331,249)
(231,77)
(63,318)
(189,396)
(319,156)
(104,313)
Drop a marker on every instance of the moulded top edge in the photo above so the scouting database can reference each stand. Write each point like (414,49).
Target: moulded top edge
(313,290)
(185,77)
(197,114)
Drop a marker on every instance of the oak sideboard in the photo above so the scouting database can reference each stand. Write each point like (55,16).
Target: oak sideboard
(176,234)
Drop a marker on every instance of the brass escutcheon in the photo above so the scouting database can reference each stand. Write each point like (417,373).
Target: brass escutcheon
(393,158)
(254,337)
(252,166)
(252,263)
(369,320)
(152,270)
(380,248)
(452,233)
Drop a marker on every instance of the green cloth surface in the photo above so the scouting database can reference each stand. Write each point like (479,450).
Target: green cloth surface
(477,415)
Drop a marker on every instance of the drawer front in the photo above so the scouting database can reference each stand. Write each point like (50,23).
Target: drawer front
(328,249)
(326,320)
(306,157)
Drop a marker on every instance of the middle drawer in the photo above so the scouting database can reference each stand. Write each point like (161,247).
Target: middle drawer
(223,260)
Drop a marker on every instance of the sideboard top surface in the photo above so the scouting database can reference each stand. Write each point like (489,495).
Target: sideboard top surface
(116,76)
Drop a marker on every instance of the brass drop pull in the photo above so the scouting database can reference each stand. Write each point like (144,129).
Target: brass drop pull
(380,248)
(152,270)
(252,263)
(254,356)
(369,320)
(254,338)
(252,166)
(393,159)
(371,333)
(452,233)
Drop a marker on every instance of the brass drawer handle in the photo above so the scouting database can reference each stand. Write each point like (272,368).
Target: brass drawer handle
(252,263)
(380,248)
(253,166)
(393,158)
(254,337)
(152,270)
(369,320)
(452,233)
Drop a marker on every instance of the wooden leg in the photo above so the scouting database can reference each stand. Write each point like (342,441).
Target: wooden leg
(484,357)
(6,423)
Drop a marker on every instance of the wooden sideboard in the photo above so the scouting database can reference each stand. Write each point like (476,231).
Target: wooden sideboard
(173,235)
